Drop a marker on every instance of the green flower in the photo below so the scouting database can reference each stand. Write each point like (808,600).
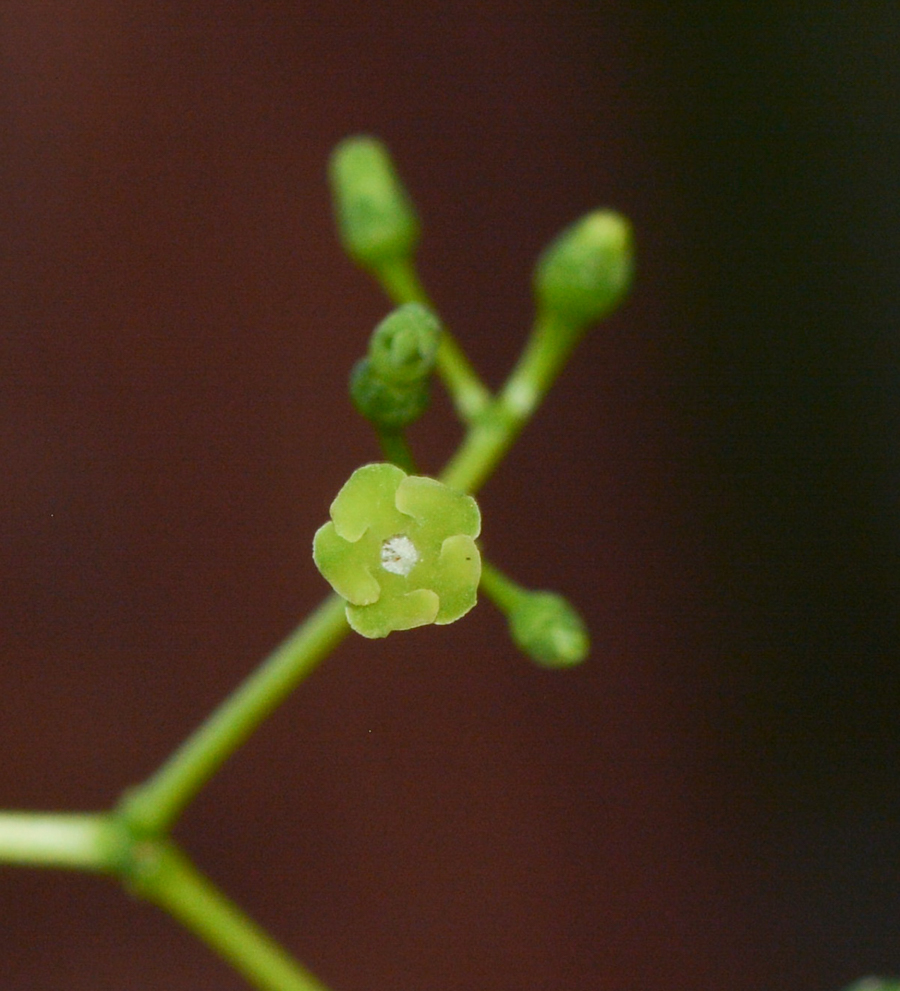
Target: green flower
(401,550)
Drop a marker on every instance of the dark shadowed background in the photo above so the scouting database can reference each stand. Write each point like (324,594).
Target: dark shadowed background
(712,800)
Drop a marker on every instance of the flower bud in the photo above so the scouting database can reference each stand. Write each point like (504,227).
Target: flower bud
(585,273)
(390,407)
(391,386)
(549,630)
(404,345)
(376,220)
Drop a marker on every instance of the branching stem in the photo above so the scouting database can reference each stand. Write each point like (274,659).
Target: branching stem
(131,841)
(153,806)
(163,875)
(495,429)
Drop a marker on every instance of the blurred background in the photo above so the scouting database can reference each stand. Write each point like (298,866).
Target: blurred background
(711,801)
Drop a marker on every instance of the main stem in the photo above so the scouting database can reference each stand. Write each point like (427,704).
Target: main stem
(87,841)
(153,806)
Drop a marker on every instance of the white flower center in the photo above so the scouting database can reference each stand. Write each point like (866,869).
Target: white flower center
(398,555)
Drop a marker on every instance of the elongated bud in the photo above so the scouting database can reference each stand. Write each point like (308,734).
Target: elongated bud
(586,272)
(376,219)
(549,630)
(390,387)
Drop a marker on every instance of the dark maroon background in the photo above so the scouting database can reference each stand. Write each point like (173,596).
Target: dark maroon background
(705,804)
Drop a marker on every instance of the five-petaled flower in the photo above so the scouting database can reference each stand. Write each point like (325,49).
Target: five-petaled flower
(401,550)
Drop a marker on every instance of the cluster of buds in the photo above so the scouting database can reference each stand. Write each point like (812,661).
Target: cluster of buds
(400,548)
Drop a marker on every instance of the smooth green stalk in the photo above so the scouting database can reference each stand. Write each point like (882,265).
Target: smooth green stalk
(400,281)
(544,356)
(484,445)
(492,434)
(163,875)
(500,588)
(152,807)
(396,449)
(469,395)
(80,841)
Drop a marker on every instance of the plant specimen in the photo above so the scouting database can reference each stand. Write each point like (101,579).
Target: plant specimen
(400,550)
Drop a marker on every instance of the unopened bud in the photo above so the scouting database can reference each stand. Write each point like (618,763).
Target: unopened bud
(376,219)
(549,630)
(391,387)
(586,272)
(404,345)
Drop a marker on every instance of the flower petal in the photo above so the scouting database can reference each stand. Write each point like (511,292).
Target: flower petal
(366,501)
(342,567)
(403,612)
(457,577)
(437,507)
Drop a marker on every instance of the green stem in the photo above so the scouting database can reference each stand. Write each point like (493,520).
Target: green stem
(470,396)
(163,875)
(546,352)
(399,279)
(393,444)
(80,841)
(500,588)
(495,429)
(484,445)
(153,806)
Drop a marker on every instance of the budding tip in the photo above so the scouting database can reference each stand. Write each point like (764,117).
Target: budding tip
(550,631)
(588,269)
(375,217)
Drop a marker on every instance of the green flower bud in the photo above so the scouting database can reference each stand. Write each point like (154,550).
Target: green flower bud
(404,345)
(390,407)
(401,550)
(549,630)
(376,220)
(391,386)
(586,272)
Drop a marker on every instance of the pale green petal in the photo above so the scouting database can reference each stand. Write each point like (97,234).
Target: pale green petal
(440,510)
(437,525)
(341,566)
(402,612)
(457,577)
(367,501)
